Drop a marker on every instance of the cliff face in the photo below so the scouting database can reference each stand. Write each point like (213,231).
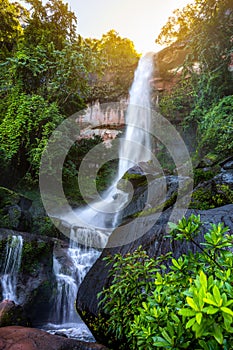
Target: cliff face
(168,63)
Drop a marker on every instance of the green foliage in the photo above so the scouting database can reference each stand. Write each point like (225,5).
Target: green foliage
(208,197)
(28,122)
(34,254)
(201,175)
(131,277)
(216,128)
(10,28)
(205,29)
(50,22)
(177,103)
(118,62)
(168,303)
(89,182)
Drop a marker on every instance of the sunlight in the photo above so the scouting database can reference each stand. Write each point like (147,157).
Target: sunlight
(140,21)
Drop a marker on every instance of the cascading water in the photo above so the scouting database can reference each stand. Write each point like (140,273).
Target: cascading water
(93,224)
(138,119)
(69,276)
(11,267)
(101,216)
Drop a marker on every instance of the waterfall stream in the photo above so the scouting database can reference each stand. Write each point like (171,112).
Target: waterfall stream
(11,267)
(101,217)
(93,224)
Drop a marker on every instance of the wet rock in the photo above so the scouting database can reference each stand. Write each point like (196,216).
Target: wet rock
(12,314)
(228,165)
(225,178)
(20,338)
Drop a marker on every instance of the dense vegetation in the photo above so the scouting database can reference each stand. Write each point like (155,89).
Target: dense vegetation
(168,303)
(203,95)
(49,72)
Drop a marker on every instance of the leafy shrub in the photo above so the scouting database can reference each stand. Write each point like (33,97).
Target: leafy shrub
(216,128)
(188,305)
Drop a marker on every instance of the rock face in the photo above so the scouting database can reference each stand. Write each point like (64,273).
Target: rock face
(153,241)
(12,314)
(20,338)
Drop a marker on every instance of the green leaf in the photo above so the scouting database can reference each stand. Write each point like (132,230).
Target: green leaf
(199,317)
(159,341)
(217,295)
(227,310)
(166,336)
(190,322)
(210,301)
(210,310)
(187,312)
(175,263)
(203,280)
(218,333)
(192,304)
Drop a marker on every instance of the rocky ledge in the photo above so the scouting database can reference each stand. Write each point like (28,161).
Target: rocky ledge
(22,338)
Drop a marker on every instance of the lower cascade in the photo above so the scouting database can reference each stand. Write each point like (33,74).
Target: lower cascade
(11,267)
(69,275)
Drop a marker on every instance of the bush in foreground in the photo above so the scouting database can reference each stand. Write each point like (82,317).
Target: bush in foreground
(188,305)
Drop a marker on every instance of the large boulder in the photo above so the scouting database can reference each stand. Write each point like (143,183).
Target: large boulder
(20,338)
(153,241)
(12,314)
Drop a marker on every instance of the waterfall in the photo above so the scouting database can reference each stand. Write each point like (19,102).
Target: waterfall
(101,217)
(136,144)
(11,267)
(69,276)
(91,226)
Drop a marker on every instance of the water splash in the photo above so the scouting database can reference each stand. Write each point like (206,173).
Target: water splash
(11,267)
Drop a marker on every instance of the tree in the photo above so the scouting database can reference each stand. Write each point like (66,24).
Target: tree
(10,27)
(206,28)
(119,60)
(52,22)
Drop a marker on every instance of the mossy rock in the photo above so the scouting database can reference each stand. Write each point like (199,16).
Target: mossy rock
(14,210)
(35,253)
(210,196)
(12,315)
(8,197)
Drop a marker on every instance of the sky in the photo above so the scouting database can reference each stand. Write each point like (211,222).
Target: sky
(138,20)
